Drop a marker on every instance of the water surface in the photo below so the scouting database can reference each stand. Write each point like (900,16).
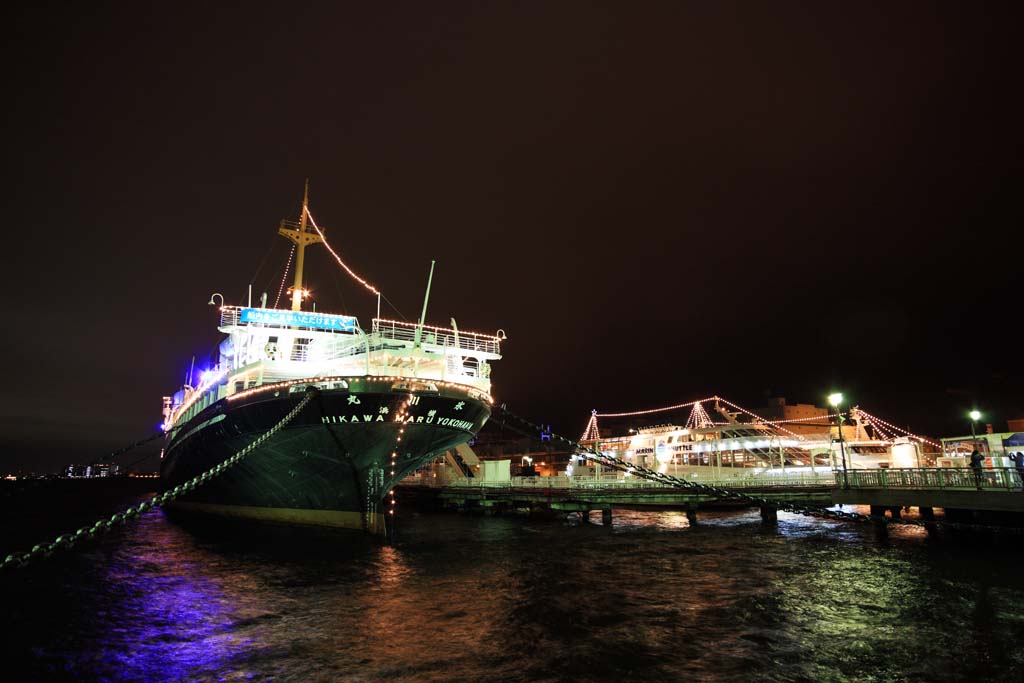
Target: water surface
(465,598)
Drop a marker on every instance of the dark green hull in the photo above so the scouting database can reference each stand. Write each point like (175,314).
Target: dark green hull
(330,466)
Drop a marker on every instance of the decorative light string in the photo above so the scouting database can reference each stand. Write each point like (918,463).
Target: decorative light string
(884,428)
(287,267)
(337,258)
(756,416)
(698,418)
(655,410)
(871,418)
(591,432)
(877,428)
(472,392)
(400,419)
(803,419)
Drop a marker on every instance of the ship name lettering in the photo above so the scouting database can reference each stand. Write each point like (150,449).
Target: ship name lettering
(452,422)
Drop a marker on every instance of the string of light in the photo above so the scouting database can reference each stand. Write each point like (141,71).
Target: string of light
(337,258)
(287,267)
(804,419)
(591,432)
(400,419)
(655,410)
(756,416)
(698,418)
(873,419)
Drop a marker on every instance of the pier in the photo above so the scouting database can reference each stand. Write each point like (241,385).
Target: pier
(582,495)
(996,496)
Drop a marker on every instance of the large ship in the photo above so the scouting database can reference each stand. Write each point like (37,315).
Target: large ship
(386,400)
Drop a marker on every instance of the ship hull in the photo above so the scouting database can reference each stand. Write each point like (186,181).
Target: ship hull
(333,464)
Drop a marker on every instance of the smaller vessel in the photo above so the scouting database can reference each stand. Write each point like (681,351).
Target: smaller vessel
(741,445)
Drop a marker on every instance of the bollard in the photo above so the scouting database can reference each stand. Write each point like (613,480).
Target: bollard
(691,516)
(895,512)
(769,514)
(606,516)
(927,514)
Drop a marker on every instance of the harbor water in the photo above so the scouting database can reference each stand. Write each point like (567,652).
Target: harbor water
(471,598)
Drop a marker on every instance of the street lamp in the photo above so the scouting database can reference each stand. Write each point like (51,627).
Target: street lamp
(975,416)
(835,400)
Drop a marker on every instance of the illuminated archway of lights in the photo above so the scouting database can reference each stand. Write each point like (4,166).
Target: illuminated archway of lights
(337,258)
(287,267)
(698,415)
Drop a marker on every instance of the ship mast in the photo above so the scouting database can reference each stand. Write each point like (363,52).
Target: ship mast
(301,238)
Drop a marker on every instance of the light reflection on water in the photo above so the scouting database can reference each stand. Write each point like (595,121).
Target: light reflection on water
(513,599)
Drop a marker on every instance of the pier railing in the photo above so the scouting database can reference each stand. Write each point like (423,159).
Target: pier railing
(942,478)
(824,480)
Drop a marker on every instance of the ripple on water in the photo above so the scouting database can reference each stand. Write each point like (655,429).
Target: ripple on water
(510,599)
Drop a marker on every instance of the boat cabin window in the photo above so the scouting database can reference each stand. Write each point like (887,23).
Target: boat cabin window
(300,347)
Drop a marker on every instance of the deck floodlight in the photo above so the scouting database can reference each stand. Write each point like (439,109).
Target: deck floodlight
(975,415)
(835,399)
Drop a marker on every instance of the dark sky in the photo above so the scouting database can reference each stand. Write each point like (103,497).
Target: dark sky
(657,202)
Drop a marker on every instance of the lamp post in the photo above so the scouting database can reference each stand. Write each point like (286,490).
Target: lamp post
(835,400)
(975,416)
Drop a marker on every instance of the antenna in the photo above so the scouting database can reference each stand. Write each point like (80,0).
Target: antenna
(302,239)
(423,315)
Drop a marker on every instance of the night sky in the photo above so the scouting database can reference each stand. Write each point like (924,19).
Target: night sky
(657,202)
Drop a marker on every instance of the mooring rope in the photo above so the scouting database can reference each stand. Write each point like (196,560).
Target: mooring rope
(18,560)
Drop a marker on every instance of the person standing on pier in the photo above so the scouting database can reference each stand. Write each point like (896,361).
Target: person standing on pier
(976,460)
(1018,462)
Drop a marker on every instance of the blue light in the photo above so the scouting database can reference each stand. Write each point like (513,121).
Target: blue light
(319,321)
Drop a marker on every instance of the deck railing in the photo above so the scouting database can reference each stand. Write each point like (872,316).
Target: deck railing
(439,336)
(942,478)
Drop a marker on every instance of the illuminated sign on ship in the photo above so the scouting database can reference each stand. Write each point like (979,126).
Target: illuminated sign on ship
(319,321)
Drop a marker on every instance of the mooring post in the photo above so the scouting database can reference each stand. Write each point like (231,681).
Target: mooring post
(691,515)
(769,514)
(895,511)
(927,514)
(606,516)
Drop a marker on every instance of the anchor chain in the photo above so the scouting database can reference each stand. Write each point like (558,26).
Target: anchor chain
(18,560)
(577,448)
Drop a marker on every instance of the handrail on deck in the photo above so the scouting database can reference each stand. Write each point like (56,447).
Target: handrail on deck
(439,336)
